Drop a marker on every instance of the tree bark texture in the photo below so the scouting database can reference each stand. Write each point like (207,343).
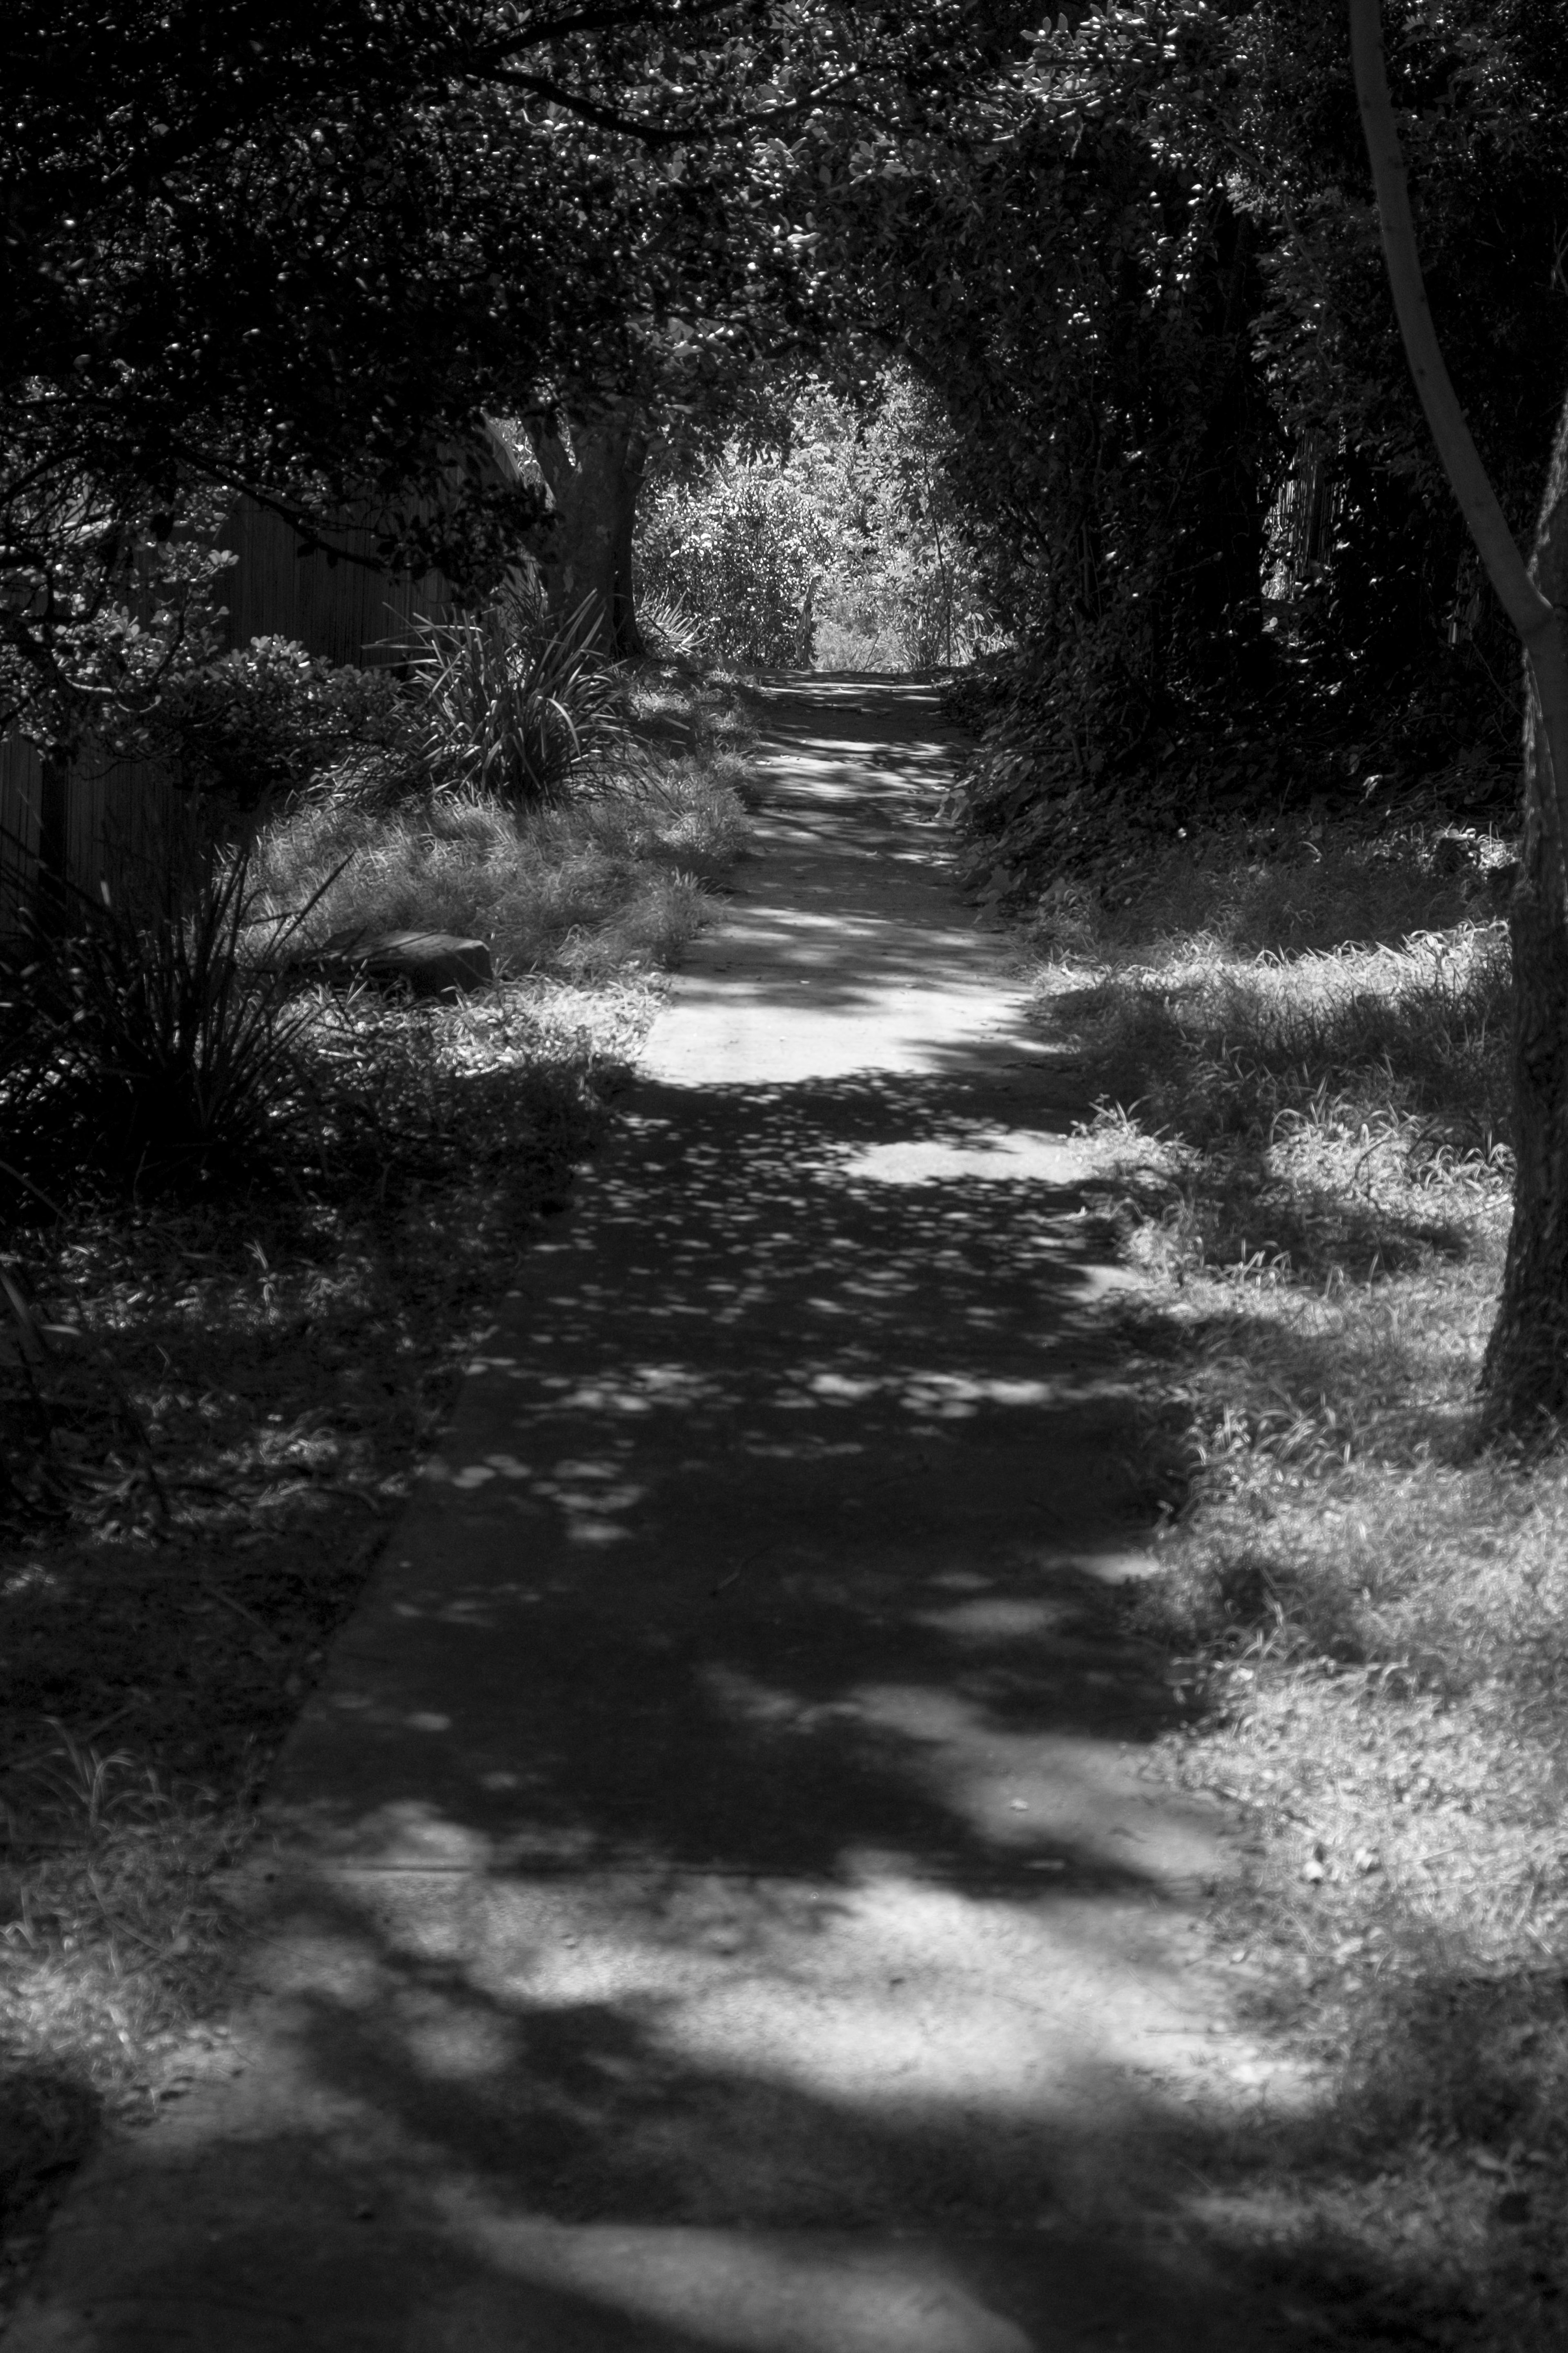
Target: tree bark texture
(593,488)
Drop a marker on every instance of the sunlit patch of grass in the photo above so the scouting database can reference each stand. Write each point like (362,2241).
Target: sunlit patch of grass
(111,1942)
(110,1923)
(1324,1116)
(854,641)
(613,877)
(616,881)
(698,711)
(1301,1068)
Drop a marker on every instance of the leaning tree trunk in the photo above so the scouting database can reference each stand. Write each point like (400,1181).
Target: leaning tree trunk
(593,488)
(1524,1379)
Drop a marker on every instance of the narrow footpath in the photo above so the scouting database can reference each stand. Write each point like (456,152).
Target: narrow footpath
(717,1901)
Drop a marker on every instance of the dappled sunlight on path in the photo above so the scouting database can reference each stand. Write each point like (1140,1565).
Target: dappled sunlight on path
(846,950)
(717,1898)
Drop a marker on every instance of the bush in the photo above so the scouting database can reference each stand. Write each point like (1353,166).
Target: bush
(848,554)
(269,716)
(740,554)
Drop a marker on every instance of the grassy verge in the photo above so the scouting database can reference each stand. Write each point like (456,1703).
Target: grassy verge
(1299,1053)
(612,879)
(214,1402)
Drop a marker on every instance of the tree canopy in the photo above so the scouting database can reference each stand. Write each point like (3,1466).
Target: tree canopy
(1140,269)
(301,256)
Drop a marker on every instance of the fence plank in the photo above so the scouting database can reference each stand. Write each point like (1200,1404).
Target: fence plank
(21,787)
(343,612)
(346,611)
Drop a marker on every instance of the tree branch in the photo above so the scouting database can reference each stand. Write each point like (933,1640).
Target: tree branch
(1532,614)
(589,109)
(1525,605)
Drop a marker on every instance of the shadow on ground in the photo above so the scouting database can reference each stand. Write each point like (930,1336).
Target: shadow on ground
(720,1898)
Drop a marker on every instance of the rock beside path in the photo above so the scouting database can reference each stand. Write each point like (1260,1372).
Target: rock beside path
(430,964)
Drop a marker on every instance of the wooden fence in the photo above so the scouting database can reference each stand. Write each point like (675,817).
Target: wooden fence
(344,611)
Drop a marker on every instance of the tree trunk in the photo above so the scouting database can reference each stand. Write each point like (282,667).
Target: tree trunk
(1525,1376)
(593,488)
(1524,1380)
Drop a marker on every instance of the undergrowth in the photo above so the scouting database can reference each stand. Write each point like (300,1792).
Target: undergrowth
(1074,775)
(1301,1064)
(611,877)
(219,1412)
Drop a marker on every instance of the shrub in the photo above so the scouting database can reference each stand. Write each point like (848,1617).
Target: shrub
(741,553)
(847,553)
(671,633)
(270,716)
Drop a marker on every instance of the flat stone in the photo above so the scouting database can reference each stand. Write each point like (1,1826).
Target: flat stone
(430,964)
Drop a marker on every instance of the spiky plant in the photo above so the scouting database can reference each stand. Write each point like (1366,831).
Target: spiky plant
(517,708)
(162,1027)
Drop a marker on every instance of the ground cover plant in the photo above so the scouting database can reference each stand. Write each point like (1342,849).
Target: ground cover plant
(1300,1049)
(219,1365)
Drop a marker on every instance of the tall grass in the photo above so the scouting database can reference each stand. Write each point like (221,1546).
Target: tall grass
(615,880)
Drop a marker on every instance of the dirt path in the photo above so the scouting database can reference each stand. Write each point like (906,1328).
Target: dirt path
(715,1901)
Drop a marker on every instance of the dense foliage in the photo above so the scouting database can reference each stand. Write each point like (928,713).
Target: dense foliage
(1132,257)
(301,255)
(735,559)
(1143,278)
(845,547)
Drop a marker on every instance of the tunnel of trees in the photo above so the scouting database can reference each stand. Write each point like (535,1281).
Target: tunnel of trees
(1126,265)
